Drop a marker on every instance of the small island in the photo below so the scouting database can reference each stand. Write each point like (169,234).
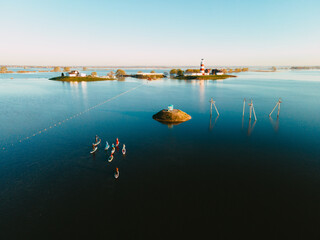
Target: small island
(76,76)
(171,115)
(205,77)
(200,74)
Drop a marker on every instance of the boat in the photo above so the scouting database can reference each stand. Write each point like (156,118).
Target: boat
(110,158)
(94,150)
(107,146)
(97,143)
(124,149)
(117,173)
(113,150)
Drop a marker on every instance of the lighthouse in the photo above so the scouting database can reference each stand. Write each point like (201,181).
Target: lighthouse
(202,66)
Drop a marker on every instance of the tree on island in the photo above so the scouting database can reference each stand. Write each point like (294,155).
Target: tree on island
(152,71)
(173,71)
(93,74)
(85,69)
(120,73)
(180,72)
(57,69)
(111,74)
(274,68)
(4,69)
(66,69)
(193,70)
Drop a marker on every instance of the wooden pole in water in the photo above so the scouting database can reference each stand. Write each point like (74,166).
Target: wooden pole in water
(279,102)
(244,104)
(254,113)
(250,104)
(216,108)
(213,103)
(273,109)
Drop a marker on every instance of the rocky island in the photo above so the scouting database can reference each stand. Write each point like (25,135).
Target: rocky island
(171,115)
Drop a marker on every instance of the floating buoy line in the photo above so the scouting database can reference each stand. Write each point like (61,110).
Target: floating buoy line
(69,118)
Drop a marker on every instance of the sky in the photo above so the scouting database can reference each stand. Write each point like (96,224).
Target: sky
(160,33)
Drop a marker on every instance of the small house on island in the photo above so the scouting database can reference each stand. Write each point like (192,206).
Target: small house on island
(75,73)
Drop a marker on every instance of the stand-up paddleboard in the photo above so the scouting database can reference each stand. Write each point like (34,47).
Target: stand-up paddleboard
(110,158)
(107,146)
(96,144)
(124,149)
(94,150)
(116,174)
(113,150)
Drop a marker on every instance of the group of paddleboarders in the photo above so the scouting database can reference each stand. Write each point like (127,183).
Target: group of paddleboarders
(113,146)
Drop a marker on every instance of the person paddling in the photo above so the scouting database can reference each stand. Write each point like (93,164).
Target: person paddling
(117,142)
(124,149)
(97,138)
(107,145)
(113,150)
(116,174)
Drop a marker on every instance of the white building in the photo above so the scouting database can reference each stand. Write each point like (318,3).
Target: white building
(73,73)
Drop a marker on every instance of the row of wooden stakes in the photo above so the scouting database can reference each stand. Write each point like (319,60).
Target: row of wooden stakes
(251,108)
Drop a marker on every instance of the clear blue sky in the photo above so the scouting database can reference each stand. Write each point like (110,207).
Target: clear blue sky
(141,32)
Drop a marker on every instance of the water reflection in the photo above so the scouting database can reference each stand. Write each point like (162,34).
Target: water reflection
(78,90)
(212,125)
(170,125)
(201,91)
(251,127)
(275,124)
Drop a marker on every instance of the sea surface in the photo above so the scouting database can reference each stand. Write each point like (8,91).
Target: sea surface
(211,177)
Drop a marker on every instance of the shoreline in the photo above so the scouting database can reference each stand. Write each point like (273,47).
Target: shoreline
(80,79)
(205,77)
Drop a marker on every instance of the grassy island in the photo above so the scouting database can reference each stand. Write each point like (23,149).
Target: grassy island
(205,77)
(147,75)
(81,79)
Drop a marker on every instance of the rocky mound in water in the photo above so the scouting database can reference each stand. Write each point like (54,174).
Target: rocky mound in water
(171,116)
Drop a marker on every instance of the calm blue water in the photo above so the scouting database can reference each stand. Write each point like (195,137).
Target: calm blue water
(223,176)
